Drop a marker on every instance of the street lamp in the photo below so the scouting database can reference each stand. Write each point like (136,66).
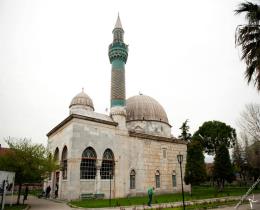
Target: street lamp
(180,159)
(110,175)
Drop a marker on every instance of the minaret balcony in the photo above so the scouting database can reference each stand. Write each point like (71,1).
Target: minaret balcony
(118,51)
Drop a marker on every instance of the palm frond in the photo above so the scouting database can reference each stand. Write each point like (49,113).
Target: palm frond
(246,33)
(257,79)
(248,38)
(249,51)
(250,71)
(252,11)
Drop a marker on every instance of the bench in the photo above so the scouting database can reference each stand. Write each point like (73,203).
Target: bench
(87,196)
(99,195)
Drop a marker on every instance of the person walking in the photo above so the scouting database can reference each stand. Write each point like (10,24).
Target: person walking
(150,195)
(48,190)
(56,190)
(25,193)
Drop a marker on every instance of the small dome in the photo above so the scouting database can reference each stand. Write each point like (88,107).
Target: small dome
(82,100)
(142,107)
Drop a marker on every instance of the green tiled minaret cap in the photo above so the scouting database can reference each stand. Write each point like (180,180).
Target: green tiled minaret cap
(118,23)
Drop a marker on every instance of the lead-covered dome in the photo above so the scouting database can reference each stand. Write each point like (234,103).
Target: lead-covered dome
(142,107)
(81,102)
(144,114)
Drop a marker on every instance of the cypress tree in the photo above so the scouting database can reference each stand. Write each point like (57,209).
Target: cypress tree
(223,170)
(195,171)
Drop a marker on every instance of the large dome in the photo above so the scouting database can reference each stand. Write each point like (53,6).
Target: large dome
(82,100)
(144,108)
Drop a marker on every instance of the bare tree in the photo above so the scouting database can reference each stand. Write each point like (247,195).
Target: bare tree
(250,121)
(250,125)
(251,157)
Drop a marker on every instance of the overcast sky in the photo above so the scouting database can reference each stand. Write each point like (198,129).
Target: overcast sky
(182,53)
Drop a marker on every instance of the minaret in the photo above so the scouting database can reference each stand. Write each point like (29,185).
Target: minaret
(118,52)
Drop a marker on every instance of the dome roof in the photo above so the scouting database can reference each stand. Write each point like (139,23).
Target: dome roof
(82,99)
(142,107)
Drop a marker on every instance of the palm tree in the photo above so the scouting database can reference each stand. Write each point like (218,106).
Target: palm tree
(248,37)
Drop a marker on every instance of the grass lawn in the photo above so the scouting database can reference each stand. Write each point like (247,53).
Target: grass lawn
(198,193)
(15,207)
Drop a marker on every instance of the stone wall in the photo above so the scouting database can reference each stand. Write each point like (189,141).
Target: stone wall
(130,153)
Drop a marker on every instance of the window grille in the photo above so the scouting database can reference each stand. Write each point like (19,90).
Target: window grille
(88,164)
(157,179)
(174,182)
(107,167)
(56,155)
(132,179)
(164,153)
(64,162)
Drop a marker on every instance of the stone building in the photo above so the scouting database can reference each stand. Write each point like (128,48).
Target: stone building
(119,154)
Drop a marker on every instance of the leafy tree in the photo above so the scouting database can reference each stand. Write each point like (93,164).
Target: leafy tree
(185,135)
(30,162)
(214,133)
(222,170)
(195,172)
(248,38)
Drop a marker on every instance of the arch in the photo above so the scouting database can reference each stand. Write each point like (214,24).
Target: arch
(56,154)
(107,167)
(64,162)
(88,164)
(132,179)
(157,179)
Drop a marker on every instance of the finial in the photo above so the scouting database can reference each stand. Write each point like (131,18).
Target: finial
(82,89)
(118,22)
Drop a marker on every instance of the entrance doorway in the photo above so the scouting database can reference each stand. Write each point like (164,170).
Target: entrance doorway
(56,184)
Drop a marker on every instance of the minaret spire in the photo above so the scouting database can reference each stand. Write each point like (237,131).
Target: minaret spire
(118,22)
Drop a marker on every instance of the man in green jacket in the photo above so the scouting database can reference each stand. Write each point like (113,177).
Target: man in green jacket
(150,195)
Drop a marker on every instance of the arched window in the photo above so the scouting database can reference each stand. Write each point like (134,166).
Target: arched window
(107,167)
(56,155)
(174,182)
(64,162)
(157,179)
(132,179)
(88,164)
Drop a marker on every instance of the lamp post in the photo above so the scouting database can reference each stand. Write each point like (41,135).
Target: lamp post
(180,159)
(110,175)
(190,184)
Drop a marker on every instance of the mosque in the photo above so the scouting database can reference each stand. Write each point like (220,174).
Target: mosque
(120,154)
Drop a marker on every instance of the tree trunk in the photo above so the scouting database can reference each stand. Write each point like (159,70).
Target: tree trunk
(219,185)
(241,178)
(223,184)
(19,193)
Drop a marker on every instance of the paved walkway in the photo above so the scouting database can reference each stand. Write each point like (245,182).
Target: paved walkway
(46,204)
